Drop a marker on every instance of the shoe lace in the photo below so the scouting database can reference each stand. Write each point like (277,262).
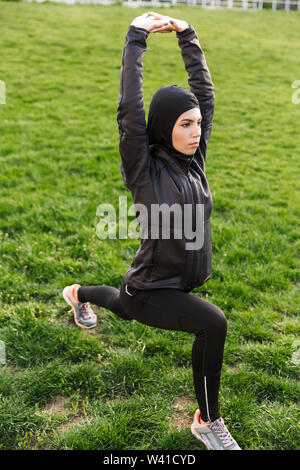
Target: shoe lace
(85,309)
(222,432)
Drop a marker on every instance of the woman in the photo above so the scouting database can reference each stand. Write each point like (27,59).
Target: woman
(164,163)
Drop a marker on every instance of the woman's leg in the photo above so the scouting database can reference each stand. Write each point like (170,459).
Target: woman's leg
(103,296)
(173,309)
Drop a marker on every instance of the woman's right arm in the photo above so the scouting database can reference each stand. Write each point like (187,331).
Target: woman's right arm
(133,143)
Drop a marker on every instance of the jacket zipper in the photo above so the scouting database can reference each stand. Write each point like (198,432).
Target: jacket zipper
(153,256)
(190,177)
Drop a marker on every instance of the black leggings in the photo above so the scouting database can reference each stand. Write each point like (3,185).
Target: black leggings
(173,309)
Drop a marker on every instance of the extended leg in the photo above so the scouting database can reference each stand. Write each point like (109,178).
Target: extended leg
(103,296)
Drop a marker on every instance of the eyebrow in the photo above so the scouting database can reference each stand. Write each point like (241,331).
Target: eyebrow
(191,120)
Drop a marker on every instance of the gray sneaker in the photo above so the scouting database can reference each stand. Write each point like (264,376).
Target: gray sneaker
(83,314)
(214,435)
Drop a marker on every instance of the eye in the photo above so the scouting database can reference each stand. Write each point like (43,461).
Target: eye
(187,124)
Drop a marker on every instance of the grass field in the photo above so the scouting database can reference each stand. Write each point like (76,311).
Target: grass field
(125,385)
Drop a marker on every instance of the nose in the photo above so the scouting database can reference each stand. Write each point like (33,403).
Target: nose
(196,132)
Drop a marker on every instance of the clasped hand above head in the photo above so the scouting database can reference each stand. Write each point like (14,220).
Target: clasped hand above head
(156,23)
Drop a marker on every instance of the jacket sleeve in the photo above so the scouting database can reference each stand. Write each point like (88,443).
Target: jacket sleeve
(200,82)
(133,140)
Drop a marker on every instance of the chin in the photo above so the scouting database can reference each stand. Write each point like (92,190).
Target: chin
(190,151)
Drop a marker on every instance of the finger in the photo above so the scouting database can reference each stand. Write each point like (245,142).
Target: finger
(158,24)
(161,31)
(156,15)
(165,28)
(174,25)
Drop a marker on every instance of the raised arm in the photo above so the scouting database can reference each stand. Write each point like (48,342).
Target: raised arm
(199,80)
(133,142)
(131,114)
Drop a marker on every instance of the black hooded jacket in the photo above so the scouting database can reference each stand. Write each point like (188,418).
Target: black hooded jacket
(155,176)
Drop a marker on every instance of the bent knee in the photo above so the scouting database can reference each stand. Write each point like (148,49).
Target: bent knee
(216,323)
(222,320)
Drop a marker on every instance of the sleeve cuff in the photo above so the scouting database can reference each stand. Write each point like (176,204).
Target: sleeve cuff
(135,28)
(186,32)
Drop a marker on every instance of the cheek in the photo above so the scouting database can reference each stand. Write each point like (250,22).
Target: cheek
(181,135)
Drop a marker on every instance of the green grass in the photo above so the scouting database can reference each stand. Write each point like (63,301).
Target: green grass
(118,387)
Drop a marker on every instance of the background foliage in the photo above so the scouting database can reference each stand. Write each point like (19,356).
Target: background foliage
(125,385)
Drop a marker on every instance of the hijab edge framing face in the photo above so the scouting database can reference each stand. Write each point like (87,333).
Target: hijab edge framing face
(187,131)
(169,105)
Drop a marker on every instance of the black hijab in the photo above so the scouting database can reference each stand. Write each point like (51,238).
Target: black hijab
(167,104)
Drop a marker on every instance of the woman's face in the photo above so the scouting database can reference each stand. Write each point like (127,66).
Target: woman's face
(187,131)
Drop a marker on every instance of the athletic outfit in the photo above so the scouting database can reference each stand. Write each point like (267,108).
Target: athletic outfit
(155,289)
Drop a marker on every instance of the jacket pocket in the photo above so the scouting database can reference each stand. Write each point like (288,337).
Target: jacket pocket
(167,260)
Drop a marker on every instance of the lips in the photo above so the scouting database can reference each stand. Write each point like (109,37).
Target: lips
(194,143)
